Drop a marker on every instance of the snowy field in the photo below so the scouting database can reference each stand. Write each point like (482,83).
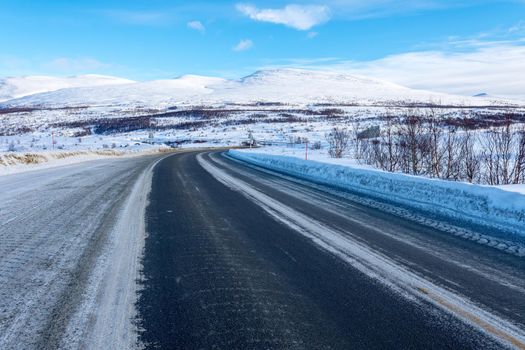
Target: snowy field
(96,112)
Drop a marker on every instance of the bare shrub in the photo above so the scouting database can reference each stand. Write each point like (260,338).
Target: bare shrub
(316,145)
(498,152)
(338,141)
(519,167)
(426,145)
(33,158)
(471,163)
(414,144)
(451,156)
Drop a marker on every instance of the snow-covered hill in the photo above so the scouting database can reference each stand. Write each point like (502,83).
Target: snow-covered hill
(16,87)
(307,86)
(156,93)
(289,86)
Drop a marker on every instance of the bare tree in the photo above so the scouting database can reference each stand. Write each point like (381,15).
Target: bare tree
(489,157)
(498,152)
(436,151)
(451,156)
(519,167)
(338,141)
(413,142)
(470,160)
(389,139)
(356,142)
(505,146)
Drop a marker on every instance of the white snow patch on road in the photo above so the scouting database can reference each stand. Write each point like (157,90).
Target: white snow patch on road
(113,303)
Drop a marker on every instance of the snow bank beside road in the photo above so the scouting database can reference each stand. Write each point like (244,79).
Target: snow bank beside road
(482,205)
(13,163)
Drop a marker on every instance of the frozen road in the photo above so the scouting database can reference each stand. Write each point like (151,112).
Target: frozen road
(231,257)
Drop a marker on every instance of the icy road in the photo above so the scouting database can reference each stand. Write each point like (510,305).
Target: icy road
(224,255)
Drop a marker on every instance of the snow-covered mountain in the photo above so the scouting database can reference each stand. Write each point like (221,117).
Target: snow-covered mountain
(307,86)
(289,86)
(155,93)
(16,87)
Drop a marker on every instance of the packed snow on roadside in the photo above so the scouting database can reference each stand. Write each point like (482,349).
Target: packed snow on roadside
(14,163)
(513,188)
(481,205)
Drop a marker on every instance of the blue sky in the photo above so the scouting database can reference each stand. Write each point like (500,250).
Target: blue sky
(152,39)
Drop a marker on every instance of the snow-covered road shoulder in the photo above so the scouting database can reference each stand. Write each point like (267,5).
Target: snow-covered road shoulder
(483,206)
(15,163)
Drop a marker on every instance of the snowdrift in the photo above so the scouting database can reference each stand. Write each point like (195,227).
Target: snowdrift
(488,207)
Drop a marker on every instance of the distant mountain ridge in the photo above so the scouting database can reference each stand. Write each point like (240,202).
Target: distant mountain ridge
(17,87)
(287,86)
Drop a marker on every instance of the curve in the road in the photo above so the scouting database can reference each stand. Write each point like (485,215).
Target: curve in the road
(230,263)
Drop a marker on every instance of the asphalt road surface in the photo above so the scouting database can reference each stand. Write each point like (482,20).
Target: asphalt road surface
(199,251)
(239,258)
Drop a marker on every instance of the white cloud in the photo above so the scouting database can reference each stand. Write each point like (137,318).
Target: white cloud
(300,17)
(243,45)
(197,25)
(493,68)
(467,68)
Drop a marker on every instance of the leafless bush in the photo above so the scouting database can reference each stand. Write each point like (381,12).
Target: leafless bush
(338,141)
(471,162)
(519,166)
(296,140)
(414,144)
(316,145)
(423,145)
(503,154)
(448,148)
(390,144)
